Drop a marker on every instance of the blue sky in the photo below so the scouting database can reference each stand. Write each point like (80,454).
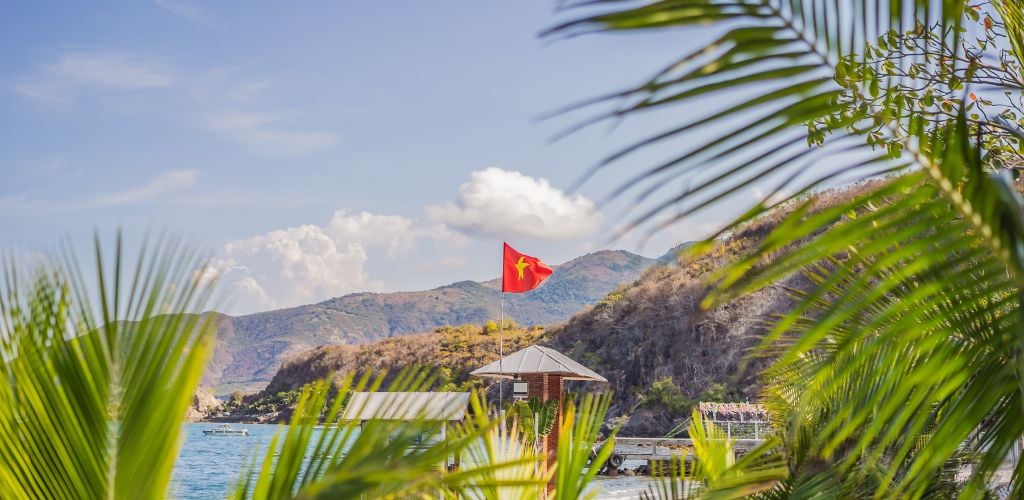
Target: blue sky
(318,149)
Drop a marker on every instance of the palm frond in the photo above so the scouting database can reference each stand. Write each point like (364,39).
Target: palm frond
(577,462)
(904,335)
(906,350)
(774,70)
(91,406)
(712,470)
(374,458)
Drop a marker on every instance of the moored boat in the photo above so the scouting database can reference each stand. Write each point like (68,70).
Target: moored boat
(225,430)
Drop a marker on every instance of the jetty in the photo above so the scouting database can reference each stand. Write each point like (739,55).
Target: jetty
(540,372)
(744,424)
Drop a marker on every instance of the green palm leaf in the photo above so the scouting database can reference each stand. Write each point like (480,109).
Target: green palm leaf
(775,72)
(712,470)
(905,350)
(91,406)
(373,458)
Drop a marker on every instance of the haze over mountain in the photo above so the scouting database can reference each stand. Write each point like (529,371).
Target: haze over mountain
(250,348)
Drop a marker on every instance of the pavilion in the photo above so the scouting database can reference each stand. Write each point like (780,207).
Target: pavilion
(543,371)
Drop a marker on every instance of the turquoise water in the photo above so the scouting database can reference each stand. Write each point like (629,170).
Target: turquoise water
(208,466)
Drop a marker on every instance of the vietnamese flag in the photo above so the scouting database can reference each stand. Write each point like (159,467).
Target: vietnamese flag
(522,273)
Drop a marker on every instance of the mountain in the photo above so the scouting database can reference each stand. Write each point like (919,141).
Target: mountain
(660,352)
(659,349)
(250,348)
(672,255)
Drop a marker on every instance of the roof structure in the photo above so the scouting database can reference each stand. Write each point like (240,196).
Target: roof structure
(434,406)
(537,359)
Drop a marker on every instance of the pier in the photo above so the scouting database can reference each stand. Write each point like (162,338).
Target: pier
(744,424)
(653,450)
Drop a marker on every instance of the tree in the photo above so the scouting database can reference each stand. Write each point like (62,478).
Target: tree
(907,351)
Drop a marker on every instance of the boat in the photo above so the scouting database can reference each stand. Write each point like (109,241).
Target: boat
(225,430)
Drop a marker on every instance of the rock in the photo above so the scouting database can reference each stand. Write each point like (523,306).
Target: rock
(203,402)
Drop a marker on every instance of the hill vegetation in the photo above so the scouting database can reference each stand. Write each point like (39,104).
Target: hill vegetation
(660,351)
(251,348)
(453,351)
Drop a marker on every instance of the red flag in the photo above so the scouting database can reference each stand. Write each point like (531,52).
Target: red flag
(522,273)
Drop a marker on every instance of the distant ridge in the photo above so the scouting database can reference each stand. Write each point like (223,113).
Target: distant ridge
(672,255)
(250,348)
(661,350)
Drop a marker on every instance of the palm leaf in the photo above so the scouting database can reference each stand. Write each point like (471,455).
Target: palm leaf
(91,406)
(776,70)
(578,431)
(906,349)
(713,470)
(350,459)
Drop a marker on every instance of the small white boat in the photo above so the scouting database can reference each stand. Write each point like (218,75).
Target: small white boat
(225,430)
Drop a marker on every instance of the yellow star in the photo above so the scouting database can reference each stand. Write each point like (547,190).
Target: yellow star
(522,264)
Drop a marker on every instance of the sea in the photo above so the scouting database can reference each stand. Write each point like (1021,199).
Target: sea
(208,467)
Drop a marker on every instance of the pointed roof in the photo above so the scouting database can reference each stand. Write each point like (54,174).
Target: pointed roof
(537,359)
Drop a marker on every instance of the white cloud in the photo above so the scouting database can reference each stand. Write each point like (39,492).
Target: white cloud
(292,266)
(42,91)
(56,82)
(28,203)
(310,263)
(168,181)
(231,109)
(444,263)
(760,196)
(112,70)
(219,101)
(398,234)
(257,129)
(506,203)
(225,85)
(188,11)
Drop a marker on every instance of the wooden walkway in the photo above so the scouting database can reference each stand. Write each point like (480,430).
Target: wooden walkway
(654,450)
(637,448)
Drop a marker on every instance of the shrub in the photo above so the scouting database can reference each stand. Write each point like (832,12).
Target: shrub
(664,393)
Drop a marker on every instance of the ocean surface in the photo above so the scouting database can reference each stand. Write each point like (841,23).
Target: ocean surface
(208,466)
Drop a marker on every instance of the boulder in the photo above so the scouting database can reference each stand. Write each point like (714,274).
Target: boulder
(203,402)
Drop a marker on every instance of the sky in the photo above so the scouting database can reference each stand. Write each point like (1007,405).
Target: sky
(322,148)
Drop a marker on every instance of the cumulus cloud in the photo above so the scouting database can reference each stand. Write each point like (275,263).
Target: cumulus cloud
(292,266)
(507,203)
(310,263)
(395,233)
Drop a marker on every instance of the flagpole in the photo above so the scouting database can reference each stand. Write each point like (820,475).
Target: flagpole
(501,350)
